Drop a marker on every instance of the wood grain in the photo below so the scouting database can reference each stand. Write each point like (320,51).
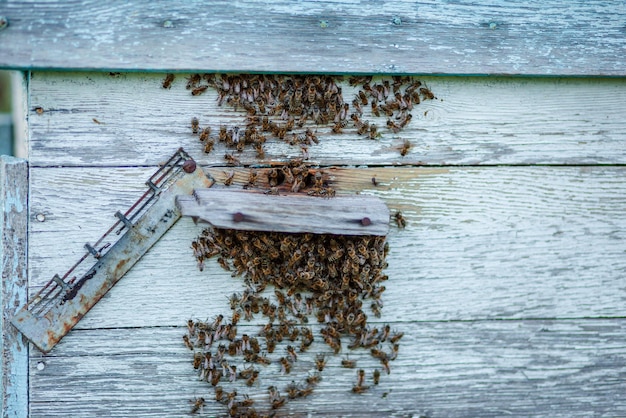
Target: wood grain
(287,213)
(491,242)
(556,368)
(130,120)
(438,37)
(14,283)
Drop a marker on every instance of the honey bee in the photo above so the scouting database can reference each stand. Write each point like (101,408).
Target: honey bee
(167,82)
(304,392)
(223,134)
(292,390)
(376,376)
(392,126)
(252,177)
(275,399)
(204,135)
(208,146)
(198,403)
(219,393)
(246,401)
(314,378)
(405,120)
(187,342)
(195,125)
(348,364)
(193,80)
(406,146)
(400,221)
(291,352)
(199,90)
(396,337)
(425,91)
(320,362)
(337,128)
(230,176)
(260,151)
(230,159)
(253,377)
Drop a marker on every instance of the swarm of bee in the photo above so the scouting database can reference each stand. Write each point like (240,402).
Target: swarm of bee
(287,107)
(332,280)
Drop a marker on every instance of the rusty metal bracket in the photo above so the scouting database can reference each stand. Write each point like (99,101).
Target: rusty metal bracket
(63,301)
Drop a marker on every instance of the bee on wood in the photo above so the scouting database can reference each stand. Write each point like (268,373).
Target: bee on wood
(393,127)
(187,342)
(320,362)
(337,128)
(230,159)
(292,390)
(405,120)
(195,125)
(167,82)
(252,177)
(363,98)
(275,399)
(406,147)
(208,146)
(223,134)
(230,176)
(204,135)
(260,151)
(219,393)
(395,337)
(198,403)
(400,221)
(425,91)
(192,81)
(376,376)
(348,364)
(314,378)
(199,90)
(357,80)
(291,352)
(252,378)
(304,392)
(246,402)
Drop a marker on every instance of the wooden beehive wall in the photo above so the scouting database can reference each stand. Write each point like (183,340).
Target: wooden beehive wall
(509,280)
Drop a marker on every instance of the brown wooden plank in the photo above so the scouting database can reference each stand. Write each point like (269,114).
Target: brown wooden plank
(556,368)
(292,213)
(130,120)
(459,37)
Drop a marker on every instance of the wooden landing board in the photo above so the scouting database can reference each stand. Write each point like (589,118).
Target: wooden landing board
(557,368)
(577,37)
(491,242)
(293,213)
(474,121)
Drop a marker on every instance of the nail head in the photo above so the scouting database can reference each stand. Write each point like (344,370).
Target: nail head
(366,221)
(41,217)
(189,166)
(238,217)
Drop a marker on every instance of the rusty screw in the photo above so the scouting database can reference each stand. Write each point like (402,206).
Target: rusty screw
(189,166)
(366,221)
(238,217)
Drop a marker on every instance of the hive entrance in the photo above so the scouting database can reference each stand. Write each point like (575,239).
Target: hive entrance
(305,293)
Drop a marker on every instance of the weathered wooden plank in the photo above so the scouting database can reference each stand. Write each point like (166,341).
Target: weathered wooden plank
(491,242)
(249,210)
(14,284)
(556,368)
(130,119)
(462,37)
